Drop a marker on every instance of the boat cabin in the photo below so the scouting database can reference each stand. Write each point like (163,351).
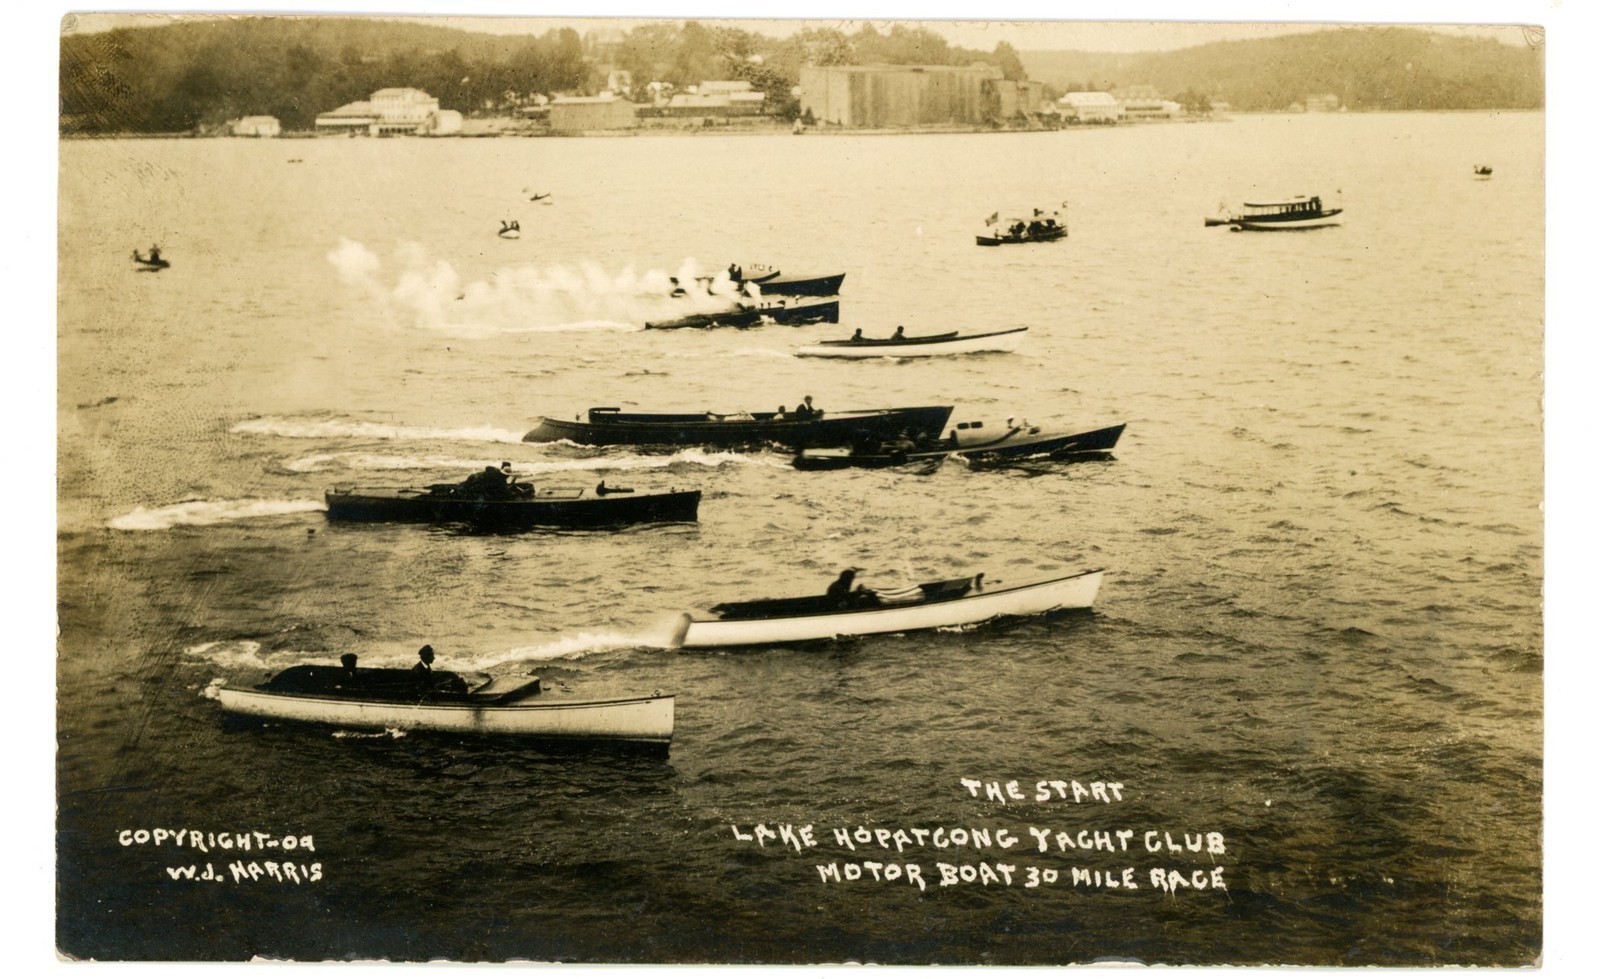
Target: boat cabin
(1294,207)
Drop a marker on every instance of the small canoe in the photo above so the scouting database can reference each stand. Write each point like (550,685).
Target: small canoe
(391,699)
(547,507)
(151,263)
(932,605)
(934,345)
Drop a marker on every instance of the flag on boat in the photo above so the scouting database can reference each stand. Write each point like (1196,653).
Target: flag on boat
(992,218)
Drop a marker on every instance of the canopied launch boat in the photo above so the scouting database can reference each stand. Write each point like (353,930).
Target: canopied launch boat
(931,605)
(612,426)
(567,507)
(1041,225)
(1289,214)
(971,441)
(391,699)
(756,313)
(930,345)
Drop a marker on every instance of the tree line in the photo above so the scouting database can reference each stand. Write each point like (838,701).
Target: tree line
(196,74)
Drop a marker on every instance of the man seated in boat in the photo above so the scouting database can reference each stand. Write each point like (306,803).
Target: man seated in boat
(899,333)
(429,681)
(842,595)
(856,337)
(495,484)
(805,409)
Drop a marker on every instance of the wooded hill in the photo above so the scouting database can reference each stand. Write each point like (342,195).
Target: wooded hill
(1365,67)
(197,73)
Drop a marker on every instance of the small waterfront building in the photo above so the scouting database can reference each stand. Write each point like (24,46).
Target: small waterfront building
(1090,107)
(891,96)
(445,122)
(576,115)
(1322,103)
(352,118)
(263,127)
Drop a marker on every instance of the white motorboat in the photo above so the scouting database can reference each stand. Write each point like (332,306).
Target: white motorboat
(932,605)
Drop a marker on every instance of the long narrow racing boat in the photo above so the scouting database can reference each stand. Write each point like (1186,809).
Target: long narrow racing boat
(932,605)
(385,699)
(933,345)
(547,507)
(611,426)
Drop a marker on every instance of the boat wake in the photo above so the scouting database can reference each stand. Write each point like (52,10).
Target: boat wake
(203,513)
(527,298)
(586,643)
(347,428)
(378,462)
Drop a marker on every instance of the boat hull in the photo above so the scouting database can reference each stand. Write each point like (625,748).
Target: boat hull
(746,317)
(564,508)
(999,341)
(704,631)
(1011,447)
(833,428)
(1326,219)
(798,285)
(1026,239)
(642,720)
(1024,446)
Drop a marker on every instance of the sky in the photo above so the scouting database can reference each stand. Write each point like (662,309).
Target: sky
(1029,25)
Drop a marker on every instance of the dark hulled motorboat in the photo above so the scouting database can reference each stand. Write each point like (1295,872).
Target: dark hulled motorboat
(553,507)
(1016,444)
(611,426)
(746,315)
(772,282)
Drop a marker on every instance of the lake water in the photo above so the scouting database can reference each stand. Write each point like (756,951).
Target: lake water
(1319,638)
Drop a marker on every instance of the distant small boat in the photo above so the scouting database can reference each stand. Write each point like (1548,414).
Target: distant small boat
(510,229)
(390,699)
(538,197)
(1482,171)
(1042,225)
(151,263)
(931,345)
(1289,214)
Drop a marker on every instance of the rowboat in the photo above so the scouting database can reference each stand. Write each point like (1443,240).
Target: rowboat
(970,441)
(931,605)
(1289,214)
(745,315)
(391,699)
(152,263)
(612,426)
(933,345)
(546,507)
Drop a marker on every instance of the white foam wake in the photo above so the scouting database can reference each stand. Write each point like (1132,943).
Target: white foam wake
(301,428)
(525,298)
(377,462)
(207,512)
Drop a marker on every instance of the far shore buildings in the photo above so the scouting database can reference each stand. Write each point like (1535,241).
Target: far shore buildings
(390,112)
(1090,107)
(895,96)
(257,126)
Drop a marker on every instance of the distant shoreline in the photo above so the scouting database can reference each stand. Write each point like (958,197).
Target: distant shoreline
(762,129)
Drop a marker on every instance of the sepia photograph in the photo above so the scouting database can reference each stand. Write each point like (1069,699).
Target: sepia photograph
(683,488)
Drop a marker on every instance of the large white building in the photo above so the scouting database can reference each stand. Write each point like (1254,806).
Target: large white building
(263,126)
(1090,106)
(389,111)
